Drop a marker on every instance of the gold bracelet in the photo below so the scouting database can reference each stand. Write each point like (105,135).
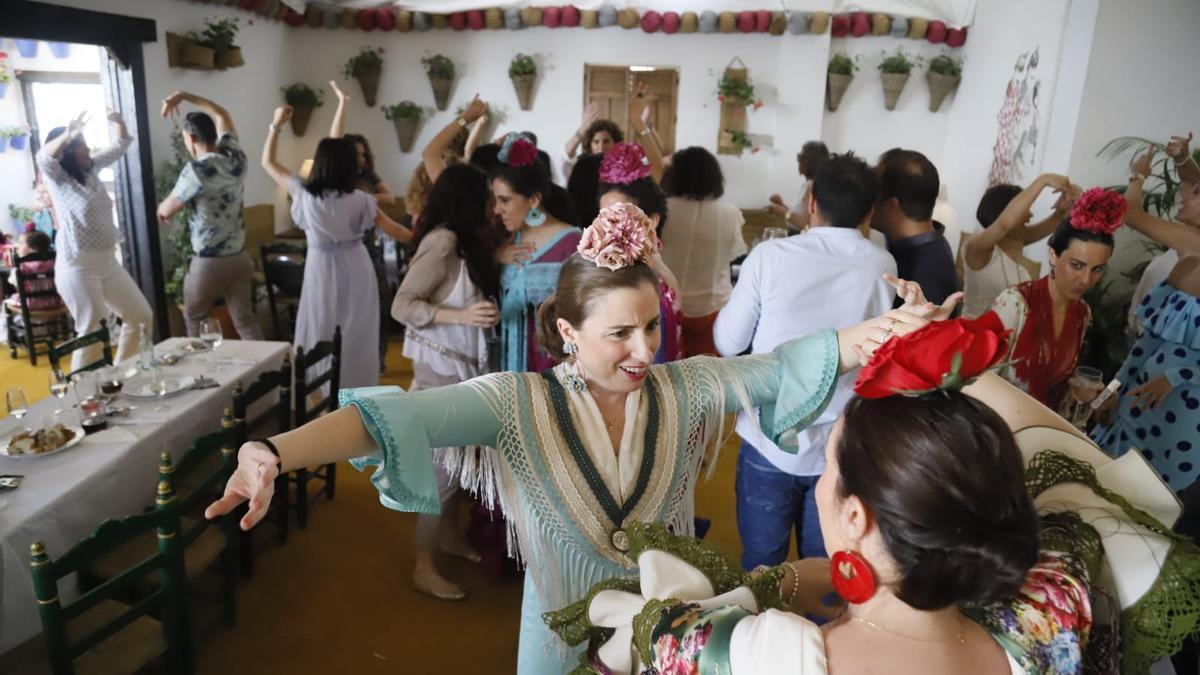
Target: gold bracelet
(795,584)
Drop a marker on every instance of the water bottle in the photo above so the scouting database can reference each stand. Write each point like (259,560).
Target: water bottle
(145,349)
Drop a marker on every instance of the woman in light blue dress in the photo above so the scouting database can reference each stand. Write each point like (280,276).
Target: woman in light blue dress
(339,282)
(575,453)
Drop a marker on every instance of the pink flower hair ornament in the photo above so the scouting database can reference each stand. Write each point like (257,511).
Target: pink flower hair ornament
(1098,210)
(623,164)
(620,236)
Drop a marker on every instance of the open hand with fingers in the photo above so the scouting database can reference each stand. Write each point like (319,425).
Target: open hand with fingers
(252,481)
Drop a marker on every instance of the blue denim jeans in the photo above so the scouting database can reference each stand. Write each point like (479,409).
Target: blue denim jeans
(770,505)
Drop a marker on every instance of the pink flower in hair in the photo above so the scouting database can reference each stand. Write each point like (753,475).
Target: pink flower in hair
(1099,210)
(623,164)
(619,237)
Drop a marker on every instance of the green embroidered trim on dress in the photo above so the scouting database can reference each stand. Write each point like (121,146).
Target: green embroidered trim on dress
(829,375)
(616,513)
(398,496)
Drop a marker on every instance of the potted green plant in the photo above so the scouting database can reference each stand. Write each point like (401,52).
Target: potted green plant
(440,70)
(405,116)
(523,73)
(894,73)
(15,136)
(303,99)
(219,35)
(943,76)
(367,67)
(738,91)
(839,73)
(21,217)
(739,140)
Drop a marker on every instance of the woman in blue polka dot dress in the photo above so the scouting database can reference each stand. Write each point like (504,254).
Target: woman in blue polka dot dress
(1159,408)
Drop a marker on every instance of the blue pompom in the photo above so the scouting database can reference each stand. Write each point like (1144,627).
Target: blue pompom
(899,26)
(607,16)
(421,21)
(512,19)
(708,22)
(798,23)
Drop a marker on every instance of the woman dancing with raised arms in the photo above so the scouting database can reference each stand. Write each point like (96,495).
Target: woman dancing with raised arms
(581,451)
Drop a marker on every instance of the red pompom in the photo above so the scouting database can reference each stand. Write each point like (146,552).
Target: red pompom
(651,21)
(956,37)
(745,22)
(570,16)
(762,21)
(551,17)
(293,18)
(366,19)
(841,26)
(385,19)
(936,33)
(247,4)
(670,22)
(860,24)
(458,20)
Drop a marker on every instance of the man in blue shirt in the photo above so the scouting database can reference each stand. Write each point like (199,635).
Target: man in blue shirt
(212,185)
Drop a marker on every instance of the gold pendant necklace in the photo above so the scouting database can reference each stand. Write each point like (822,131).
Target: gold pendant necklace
(958,634)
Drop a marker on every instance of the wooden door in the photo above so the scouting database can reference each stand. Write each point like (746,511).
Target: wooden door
(610,86)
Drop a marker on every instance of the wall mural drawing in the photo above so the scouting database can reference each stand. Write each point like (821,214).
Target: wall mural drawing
(1014,155)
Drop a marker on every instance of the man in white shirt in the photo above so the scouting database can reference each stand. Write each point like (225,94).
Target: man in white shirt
(829,277)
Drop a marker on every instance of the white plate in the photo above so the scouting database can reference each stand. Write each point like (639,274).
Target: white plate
(139,386)
(78,437)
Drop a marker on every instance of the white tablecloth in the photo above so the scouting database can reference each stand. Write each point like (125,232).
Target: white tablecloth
(111,474)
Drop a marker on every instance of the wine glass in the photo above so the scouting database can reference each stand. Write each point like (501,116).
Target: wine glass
(15,399)
(59,384)
(110,382)
(210,333)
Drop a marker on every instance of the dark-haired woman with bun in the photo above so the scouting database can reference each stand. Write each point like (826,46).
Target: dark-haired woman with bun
(339,282)
(970,530)
(1048,316)
(541,223)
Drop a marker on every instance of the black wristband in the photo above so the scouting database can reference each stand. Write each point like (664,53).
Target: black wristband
(270,446)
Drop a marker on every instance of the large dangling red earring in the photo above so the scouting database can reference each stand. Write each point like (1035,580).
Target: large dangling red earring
(852,577)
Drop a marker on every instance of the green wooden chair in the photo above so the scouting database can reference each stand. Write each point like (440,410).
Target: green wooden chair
(302,388)
(97,634)
(100,335)
(274,387)
(201,474)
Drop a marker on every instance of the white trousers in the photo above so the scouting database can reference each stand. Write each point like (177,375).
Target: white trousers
(93,285)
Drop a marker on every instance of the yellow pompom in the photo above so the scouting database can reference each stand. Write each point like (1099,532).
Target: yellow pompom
(493,18)
(349,19)
(628,18)
(689,22)
(819,23)
(589,18)
(881,24)
(727,22)
(917,28)
(440,21)
(531,16)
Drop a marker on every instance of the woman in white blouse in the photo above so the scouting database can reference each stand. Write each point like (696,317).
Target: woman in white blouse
(704,237)
(89,277)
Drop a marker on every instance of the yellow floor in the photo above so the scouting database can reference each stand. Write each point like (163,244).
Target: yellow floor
(336,598)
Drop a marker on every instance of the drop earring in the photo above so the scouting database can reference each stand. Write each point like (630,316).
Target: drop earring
(573,379)
(535,217)
(852,577)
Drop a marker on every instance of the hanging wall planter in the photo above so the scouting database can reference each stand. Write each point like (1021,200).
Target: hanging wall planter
(18,141)
(211,49)
(405,116)
(303,99)
(894,73)
(3,143)
(736,94)
(367,67)
(440,70)
(943,76)
(523,73)
(60,50)
(839,75)
(27,48)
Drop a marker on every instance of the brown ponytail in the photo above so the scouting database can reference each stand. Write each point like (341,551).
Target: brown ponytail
(580,283)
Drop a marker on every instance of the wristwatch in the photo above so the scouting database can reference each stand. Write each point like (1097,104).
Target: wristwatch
(461,122)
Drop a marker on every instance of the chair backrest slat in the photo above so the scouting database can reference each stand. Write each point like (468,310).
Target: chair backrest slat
(101,335)
(98,635)
(303,386)
(265,386)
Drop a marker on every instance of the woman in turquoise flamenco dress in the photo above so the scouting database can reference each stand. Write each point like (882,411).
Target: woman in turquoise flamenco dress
(578,453)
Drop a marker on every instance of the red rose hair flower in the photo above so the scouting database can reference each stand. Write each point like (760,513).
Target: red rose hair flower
(522,153)
(944,355)
(623,164)
(1099,210)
